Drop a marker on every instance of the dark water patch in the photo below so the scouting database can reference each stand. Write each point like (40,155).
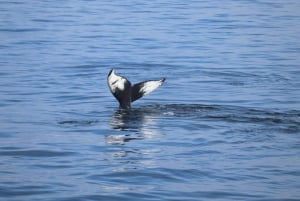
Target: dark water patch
(224,112)
(35,153)
(110,195)
(135,177)
(78,122)
(11,148)
(53,167)
(21,30)
(228,195)
(21,191)
(53,21)
(156,174)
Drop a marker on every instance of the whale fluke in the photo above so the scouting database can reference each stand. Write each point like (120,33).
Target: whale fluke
(125,93)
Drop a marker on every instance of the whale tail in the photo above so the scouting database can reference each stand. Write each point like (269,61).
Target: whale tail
(125,93)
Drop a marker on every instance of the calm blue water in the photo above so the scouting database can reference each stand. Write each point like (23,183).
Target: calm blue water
(225,125)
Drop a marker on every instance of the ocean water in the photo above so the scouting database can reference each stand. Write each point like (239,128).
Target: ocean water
(224,126)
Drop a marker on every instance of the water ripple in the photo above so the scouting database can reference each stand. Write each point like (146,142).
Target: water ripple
(35,153)
(224,126)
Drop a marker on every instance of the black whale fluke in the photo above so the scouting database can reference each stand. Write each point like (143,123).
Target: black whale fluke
(125,93)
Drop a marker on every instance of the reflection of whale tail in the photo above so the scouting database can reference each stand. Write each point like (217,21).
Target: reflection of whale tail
(122,90)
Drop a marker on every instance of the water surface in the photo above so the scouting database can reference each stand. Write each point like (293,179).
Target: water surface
(224,126)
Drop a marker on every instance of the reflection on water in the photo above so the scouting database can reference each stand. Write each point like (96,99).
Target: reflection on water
(127,119)
(142,122)
(136,124)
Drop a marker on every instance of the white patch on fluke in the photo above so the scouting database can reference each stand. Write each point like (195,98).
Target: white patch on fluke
(150,86)
(116,82)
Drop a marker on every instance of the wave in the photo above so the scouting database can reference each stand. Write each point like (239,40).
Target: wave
(135,118)
(212,112)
